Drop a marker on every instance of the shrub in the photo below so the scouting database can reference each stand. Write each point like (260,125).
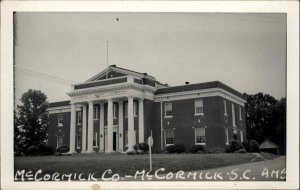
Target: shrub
(235,146)
(242,151)
(179,148)
(33,150)
(131,152)
(63,149)
(196,148)
(141,146)
(45,149)
(254,146)
(140,152)
(170,149)
(246,146)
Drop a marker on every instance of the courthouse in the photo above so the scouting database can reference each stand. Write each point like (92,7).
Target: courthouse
(118,108)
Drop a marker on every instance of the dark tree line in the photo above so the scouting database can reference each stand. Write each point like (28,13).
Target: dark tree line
(266,119)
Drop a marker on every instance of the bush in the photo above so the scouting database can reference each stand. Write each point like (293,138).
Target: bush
(246,146)
(141,146)
(63,149)
(196,148)
(131,152)
(179,148)
(254,146)
(242,151)
(33,150)
(235,146)
(45,150)
(170,149)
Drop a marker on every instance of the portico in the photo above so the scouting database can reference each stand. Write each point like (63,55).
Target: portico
(113,101)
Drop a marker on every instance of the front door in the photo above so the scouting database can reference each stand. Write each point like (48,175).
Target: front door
(115,141)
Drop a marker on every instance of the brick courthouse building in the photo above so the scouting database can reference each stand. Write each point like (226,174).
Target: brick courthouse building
(118,108)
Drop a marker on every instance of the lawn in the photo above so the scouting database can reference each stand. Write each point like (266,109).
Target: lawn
(127,164)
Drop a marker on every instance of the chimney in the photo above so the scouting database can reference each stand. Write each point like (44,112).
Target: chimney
(187,82)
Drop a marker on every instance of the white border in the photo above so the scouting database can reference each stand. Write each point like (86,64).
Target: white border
(289,7)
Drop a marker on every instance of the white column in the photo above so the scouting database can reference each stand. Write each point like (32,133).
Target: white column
(101,129)
(141,121)
(131,134)
(121,121)
(72,128)
(90,127)
(83,149)
(110,126)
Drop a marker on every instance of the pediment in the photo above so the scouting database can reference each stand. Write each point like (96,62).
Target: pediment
(115,72)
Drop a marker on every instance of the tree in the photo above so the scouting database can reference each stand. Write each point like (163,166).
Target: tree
(266,119)
(276,124)
(256,110)
(31,119)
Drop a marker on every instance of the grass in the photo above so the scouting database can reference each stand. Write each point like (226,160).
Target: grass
(127,164)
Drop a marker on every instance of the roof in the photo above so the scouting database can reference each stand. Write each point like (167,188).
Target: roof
(59,104)
(198,86)
(121,70)
(267,145)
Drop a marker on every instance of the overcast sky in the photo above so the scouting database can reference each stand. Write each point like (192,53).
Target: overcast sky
(245,51)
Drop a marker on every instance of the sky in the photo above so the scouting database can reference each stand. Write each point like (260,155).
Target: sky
(245,51)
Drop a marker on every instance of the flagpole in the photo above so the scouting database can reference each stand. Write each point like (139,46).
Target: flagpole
(107,59)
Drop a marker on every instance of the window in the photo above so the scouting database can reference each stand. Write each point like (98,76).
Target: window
(225,108)
(168,109)
(59,141)
(96,112)
(126,110)
(169,136)
(200,136)
(95,140)
(242,137)
(126,138)
(198,107)
(78,140)
(240,112)
(226,136)
(136,136)
(115,111)
(233,115)
(60,120)
(79,117)
(135,108)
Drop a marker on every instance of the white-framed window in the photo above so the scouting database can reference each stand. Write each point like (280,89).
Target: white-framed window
(126,138)
(126,110)
(200,136)
(169,136)
(79,117)
(135,109)
(95,140)
(78,141)
(242,136)
(240,112)
(226,136)
(60,119)
(199,107)
(115,111)
(168,109)
(96,112)
(225,107)
(233,114)
(59,141)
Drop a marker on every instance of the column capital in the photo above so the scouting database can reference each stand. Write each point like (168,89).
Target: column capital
(120,101)
(141,99)
(130,96)
(101,103)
